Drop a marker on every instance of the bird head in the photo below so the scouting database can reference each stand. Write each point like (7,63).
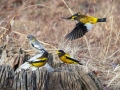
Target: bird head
(60,52)
(30,37)
(75,16)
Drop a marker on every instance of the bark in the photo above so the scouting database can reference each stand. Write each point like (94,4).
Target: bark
(65,77)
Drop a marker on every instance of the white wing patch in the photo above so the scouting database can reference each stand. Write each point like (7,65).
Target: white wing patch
(35,57)
(88,26)
(25,66)
(38,46)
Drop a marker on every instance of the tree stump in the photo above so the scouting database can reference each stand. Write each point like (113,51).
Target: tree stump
(6,77)
(66,77)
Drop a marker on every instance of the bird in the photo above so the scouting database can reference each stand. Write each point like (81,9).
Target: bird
(39,61)
(84,24)
(66,58)
(36,61)
(35,44)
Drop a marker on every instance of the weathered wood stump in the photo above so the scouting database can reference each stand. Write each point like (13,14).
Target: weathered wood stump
(6,77)
(66,77)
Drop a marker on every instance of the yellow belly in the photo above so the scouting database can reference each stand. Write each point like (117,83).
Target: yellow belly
(38,64)
(64,60)
(89,19)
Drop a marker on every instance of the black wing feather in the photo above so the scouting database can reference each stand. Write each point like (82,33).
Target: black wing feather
(74,60)
(77,32)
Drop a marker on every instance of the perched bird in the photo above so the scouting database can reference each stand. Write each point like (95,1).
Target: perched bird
(38,60)
(65,58)
(84,25)
(35,44)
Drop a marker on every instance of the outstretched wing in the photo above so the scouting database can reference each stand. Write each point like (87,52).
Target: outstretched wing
(79,31)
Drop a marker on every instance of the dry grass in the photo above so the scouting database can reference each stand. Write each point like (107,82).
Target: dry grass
(98,49)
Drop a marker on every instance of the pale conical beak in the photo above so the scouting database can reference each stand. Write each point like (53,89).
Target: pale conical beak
(57,52)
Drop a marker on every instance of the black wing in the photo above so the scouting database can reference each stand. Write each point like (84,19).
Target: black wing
(77,32)
(74,60)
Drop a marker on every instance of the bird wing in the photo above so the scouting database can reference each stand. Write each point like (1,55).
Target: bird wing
(67,55)
(71,59)
(25,66)
(37,45)
(79,30)
(35,58)
(37,61)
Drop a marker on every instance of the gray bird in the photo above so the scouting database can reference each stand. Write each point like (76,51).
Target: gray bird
(35,44)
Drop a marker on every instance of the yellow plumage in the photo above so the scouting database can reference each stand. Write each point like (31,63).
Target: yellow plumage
(84,24)
(83,18)
(38,63)
(41,61)
(65,58)
(88,19)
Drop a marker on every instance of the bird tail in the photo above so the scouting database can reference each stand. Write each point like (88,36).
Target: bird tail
(80,63)
(66,18)
(101,20)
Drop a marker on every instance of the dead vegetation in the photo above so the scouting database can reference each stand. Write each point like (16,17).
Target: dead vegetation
(98,49)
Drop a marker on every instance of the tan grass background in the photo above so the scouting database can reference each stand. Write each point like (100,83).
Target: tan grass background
(98,50)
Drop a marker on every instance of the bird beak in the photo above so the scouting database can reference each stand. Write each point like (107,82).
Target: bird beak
(73,17)
(26,38)
(57,52)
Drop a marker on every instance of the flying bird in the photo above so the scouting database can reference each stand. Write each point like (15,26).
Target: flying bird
(84,24)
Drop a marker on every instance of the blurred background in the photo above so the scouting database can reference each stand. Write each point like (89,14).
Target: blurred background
(99,49)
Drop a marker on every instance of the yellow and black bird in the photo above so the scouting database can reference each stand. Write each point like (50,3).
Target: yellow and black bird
(84,25)
(39,61)
(36,61)
(65,58)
